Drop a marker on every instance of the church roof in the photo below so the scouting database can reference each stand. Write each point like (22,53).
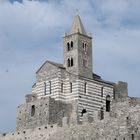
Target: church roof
(56,64)
(53,63)
(77,26)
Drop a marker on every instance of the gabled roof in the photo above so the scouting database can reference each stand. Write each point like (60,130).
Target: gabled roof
(53,63)
(77,26)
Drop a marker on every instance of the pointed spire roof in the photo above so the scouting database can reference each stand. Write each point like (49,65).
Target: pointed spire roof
(77,26)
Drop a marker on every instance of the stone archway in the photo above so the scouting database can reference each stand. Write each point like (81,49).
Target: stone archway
(108,101)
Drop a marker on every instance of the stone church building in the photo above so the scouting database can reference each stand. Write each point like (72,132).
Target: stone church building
(70,102)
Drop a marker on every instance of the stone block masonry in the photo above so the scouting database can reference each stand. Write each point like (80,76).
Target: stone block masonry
(120,124)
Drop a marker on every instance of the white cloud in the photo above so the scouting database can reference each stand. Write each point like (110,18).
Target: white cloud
(31,32)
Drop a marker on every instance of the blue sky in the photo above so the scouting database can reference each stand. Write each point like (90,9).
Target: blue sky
(31,32)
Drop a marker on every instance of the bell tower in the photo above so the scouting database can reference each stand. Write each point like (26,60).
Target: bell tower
(78,50)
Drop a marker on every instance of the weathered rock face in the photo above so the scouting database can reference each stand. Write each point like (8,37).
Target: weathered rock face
(122,123)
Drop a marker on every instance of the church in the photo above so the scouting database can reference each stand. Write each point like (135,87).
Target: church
(72,81)
(70,96)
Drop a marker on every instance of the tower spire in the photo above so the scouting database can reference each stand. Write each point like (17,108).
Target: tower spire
(77,26)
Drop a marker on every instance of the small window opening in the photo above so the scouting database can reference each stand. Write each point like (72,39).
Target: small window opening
(61,87)
(85,88)
(71,62)
(102,91)
(45,88)
(123,138)
(70,87)
(71,44)
(108,100)
(132,136)
(68,62)
(102,113)
(113,93)
(83,112)
(50,87)
(4,134)
(32,110)
(83,46)
(68,46)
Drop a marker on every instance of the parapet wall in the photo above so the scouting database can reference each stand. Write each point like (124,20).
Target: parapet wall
(121,90)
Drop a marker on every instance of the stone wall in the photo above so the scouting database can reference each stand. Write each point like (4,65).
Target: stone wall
(42,111)
(121,90)
(122,123)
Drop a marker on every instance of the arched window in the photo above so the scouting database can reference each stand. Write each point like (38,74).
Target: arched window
(85,47)
(45,88)
(114,93)
(85,88)
(71,62)
(108,100)
(71,44)
(68,46)
(50,87)
(61,87)
(70,87)
(32,110)
(102,91)
(68,62)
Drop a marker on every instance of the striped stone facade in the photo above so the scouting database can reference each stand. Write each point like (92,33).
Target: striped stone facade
(90,94)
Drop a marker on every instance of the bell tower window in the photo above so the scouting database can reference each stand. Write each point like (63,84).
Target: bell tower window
(68,62)
(71,44)
(68,46)
(85,47)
